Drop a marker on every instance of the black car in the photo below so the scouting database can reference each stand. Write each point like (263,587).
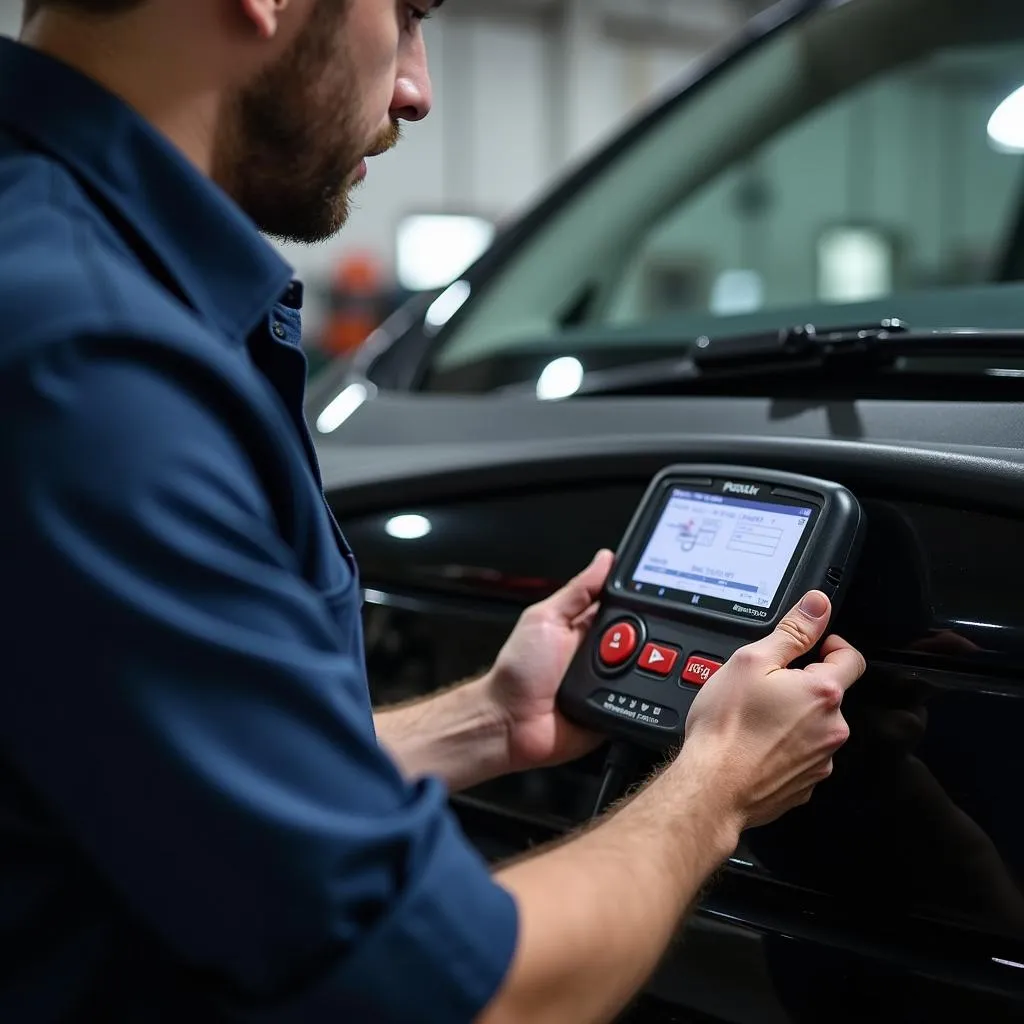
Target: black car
(809,258)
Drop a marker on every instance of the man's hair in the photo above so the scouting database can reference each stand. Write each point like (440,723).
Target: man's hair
(32,7)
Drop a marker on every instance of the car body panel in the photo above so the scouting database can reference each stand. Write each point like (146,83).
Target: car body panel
(905,872)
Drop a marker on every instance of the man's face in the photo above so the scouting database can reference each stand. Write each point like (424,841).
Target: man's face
(291,144)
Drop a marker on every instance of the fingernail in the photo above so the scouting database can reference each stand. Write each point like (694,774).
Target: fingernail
(814,605)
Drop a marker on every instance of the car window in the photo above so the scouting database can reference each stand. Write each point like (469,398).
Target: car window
(843,162)
(892,186)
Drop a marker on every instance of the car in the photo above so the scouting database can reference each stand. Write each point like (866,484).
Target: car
(808,256)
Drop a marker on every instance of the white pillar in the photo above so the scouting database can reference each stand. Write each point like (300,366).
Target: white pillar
(10,18)
(579,48)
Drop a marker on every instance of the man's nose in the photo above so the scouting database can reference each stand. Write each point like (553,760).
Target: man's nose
(413,96)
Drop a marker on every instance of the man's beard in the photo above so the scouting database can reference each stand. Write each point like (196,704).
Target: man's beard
(286,154)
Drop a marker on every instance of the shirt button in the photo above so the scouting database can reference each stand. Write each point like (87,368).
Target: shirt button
(279,329)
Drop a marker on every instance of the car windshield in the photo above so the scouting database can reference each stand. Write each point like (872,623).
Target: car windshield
(862,161)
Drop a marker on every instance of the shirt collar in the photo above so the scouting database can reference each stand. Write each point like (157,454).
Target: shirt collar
(213,252)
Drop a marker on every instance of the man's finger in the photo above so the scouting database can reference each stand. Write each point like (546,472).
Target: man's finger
(798,632)
(582,590)
(833,642)
(847,663)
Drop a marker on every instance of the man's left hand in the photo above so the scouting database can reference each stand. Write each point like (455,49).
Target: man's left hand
(529,669)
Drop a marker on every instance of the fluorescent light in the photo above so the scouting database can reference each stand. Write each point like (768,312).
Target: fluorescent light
(855,264)
(408,527)
(435,249)
(1006,125)
(447,304)
(560,378)
(737,291)
(341,408)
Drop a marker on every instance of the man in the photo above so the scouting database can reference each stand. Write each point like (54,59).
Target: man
(200,815)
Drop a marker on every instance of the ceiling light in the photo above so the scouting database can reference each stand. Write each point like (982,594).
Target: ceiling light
(1006,125)
(435,249)
(736,292)
(855,264)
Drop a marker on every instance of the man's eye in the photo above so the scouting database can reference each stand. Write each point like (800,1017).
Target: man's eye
(418,13)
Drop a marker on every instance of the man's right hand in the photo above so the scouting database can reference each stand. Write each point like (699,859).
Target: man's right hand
(759,737)
(768,732)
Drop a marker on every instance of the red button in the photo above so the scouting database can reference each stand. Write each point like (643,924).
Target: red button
(658,659)
(618,644)
(699,670)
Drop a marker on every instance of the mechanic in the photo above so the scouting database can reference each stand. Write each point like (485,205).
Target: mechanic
(201,816)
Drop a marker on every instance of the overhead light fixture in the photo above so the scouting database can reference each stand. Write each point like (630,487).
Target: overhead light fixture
(855,264)
(407,527)
(341,408)
(433,249)
(1006,125)
(736,292)
(560,378)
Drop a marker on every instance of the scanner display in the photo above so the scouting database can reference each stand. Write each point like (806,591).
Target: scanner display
(732,550)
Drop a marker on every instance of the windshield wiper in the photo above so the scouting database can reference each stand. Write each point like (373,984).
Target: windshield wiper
(794,346)
(805,349)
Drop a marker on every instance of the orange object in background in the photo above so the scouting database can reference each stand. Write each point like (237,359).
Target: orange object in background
(357,296)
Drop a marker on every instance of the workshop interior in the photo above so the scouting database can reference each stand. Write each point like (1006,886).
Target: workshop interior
(733,289)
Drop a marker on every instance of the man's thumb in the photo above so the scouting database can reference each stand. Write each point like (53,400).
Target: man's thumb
(799,631)
(582,590)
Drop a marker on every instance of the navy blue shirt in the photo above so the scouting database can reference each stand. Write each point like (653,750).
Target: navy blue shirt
(196,820)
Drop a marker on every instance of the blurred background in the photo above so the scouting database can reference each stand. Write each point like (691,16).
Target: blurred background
(890,185)
(522,88)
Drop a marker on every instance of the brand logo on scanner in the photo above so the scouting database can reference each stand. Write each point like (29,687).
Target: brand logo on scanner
(730,488)
(744,610)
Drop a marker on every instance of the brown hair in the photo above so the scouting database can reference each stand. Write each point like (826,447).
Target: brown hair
(32,7)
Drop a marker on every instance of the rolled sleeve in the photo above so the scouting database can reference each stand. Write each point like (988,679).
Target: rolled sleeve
(440,955)
(193,722)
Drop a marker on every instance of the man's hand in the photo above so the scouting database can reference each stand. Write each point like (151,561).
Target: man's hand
(760,736)
(527,673)
(505,721)
(770,730)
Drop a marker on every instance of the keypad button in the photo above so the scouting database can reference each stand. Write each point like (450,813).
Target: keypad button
(618,644)
(699,669)
(659,659)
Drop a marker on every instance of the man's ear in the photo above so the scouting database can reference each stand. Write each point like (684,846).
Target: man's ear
(264,15)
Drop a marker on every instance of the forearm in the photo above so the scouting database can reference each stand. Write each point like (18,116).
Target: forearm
(458,735)
(597,913)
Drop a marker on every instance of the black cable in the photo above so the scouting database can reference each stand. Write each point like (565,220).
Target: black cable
(619,765)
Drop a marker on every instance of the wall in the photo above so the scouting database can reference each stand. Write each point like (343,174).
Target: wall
(10,17)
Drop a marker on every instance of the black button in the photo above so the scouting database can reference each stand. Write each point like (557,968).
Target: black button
(279,329)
